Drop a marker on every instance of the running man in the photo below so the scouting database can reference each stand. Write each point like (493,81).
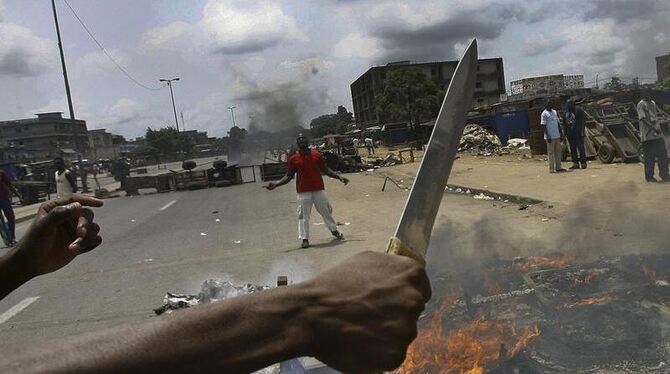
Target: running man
(308,164)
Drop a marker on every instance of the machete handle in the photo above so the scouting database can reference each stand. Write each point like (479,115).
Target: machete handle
(397,247)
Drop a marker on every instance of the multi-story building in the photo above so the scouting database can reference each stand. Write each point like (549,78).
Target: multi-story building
(663,67)
(365,89)
(547,85)
(47,136)
(105,145)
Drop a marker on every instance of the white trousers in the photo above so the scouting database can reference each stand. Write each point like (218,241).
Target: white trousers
(320,202)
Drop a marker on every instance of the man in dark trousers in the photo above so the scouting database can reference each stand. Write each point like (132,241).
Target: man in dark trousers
(653,141)
(6,190)
(308,165)
(575,119)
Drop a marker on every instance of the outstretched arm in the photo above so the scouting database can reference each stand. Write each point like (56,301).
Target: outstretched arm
(61,230)
(326,170)
(285,179)
(357,317)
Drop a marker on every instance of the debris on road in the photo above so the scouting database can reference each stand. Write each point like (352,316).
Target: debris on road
(237,241)
(203,234)
(212,290)
(217,220)
(481,196)
(523,206)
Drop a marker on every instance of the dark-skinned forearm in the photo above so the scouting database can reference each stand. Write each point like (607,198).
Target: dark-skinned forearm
(285,179)
(239,335)
(13,273)
(331,173)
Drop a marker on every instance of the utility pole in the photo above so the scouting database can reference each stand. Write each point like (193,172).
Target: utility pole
(597,82)
(75,131)
(174,108)
(183,125)
(232,113)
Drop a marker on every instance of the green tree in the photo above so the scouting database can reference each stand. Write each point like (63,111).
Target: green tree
(168,140)
(615,84)
(335,123)
(409,95)
(664,85)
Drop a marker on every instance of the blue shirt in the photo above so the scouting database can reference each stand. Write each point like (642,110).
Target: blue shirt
(549,118)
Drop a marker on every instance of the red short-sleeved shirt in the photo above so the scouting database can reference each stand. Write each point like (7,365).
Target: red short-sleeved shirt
(307,166)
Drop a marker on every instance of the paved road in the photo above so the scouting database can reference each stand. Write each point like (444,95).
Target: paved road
(173,242)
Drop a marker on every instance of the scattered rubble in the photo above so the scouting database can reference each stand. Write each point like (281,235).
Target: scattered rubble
(478,140)
(212,290)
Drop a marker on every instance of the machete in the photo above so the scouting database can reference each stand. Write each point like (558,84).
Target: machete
(416,223)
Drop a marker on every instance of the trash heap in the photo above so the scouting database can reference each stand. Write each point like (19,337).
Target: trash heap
(212,290)
(478,140)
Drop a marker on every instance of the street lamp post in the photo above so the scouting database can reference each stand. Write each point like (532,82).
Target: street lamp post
(232,113)
(174,108)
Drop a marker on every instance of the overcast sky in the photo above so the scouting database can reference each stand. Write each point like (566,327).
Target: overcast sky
(282,63)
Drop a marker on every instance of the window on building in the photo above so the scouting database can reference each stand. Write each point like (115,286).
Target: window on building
(478,84)
(18,130)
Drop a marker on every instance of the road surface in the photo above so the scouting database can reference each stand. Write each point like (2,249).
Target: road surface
(174,241)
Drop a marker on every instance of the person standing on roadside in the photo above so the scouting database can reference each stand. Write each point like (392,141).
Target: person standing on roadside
(370,145)
(552,134)
(6,190)
(575,128)
(66,183)
(653,140)
(307,164)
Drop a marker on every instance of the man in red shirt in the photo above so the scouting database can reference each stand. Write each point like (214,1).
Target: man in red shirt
(308,165)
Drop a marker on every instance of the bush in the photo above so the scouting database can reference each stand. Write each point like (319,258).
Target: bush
(220,165)
(188,165)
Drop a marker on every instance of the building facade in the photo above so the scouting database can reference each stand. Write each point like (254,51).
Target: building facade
(47,136)
(663,67)
(365,89)
(547,85)
(105,145)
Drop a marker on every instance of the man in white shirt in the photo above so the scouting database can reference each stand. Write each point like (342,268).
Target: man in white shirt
(552,134)
(653,141)
(370,145)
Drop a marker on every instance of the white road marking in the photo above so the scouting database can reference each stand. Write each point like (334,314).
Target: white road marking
(168,205)
(16,309)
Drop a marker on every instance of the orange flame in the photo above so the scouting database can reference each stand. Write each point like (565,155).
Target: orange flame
(556,262)
(582,280)
(588,301)
(468,349)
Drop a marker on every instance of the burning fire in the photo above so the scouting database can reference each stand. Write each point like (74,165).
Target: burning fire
(555,262)
(588,301)
(583,280)
(469,349)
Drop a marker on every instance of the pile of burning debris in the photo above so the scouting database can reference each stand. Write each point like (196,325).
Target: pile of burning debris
(212,290)
(548,315)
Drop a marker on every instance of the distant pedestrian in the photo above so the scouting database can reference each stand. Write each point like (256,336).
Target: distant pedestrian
(307,165)
(552,134)
(6,190)
(653,141)
(370,145)
(66,182)
(575,119)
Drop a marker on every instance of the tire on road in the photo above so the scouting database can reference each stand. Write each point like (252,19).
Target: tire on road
(606,153)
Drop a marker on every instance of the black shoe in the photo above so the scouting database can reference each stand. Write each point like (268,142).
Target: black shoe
(652,180)
(338,235)
(574,167)
(305,243)
(584,165)
(561,171)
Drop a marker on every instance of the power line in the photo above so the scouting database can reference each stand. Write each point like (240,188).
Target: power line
(121,68)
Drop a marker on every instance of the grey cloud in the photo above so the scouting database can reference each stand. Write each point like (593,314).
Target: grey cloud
(249,46)
(537,47)
(19,62)
(436,41)
(625,10)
